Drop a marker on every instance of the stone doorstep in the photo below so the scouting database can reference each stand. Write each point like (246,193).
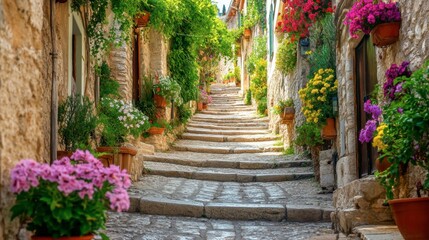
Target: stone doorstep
(227,150)
(378,232)
(229,177)
(235,211)
(221,138)
(211,163)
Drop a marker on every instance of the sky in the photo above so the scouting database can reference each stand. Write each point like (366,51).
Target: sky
(220,3)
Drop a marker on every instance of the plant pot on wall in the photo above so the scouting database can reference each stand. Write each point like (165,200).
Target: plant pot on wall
(199,106)
(205,105)
(329,131)
(382,164)
(411,217)
(142,19)
(120,156)
(385,34)
(159,101)
(288,115)
(156,130)
(86,237)
(247,33)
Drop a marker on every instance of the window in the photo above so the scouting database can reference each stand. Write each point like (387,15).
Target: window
(76,82)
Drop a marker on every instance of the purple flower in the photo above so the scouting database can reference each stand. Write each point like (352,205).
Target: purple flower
(400,110)
(372,109)
(395,71)
(367,133)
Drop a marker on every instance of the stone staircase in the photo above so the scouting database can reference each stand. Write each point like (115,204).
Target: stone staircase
(227,165)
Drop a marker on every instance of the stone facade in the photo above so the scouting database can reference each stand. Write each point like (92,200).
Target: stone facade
(412,46)
(25,88)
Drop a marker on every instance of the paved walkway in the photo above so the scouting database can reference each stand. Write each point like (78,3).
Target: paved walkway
(226,178)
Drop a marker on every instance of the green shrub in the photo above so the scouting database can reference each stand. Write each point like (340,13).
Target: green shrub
(76,122)
(109,87)
(286,56)
(259,51)
(308,135)
(262,105)
(279,108)
(248,99)
(184,113)
(258,80)
(169,89)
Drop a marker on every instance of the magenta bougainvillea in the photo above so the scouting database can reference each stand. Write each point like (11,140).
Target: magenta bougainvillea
(365,15)
(299,15)
(390,88)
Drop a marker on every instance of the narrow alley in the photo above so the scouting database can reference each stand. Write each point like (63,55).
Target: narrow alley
(225,169)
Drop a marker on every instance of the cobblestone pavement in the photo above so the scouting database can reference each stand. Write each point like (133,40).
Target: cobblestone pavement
(228,171)
(125,226)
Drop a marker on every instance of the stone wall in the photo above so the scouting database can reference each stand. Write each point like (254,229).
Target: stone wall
(121,65)
(412,46)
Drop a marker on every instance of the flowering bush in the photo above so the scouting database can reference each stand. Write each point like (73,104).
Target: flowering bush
(390,88)
(316,96)
(119,119)
(169,89)
(365,15)
(299,15)
(279,108)
(69,197)
(406,135)
(286,56)
(205,97)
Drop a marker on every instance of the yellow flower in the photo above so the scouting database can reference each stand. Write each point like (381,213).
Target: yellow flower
(378,139)
(309,52)
(327,85)
(320,71)
(323,90)
(315,91)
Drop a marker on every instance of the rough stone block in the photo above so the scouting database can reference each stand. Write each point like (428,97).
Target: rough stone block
(162,206)
(327,179)
(301,213)
(241,211)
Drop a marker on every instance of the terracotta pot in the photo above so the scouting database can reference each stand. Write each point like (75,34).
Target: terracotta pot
(120,156)
(237,84)
(247,33)
(205,106)
(86,237)
(382,165)
(159,101)
(199,106)
(385,34)
(412,217)
(329,131)
(61,154)
(288,114)
(155,130)
(142,19)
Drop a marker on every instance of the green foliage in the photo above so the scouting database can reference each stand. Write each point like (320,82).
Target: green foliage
(289,151)
(119,119)
(286,56)
(255,14)
(258,80)
(248,99)
(279,108)
(407,129)
(169,89)
(146,103)
(109,87)
(184,113)
(259,51)
(322,38)
(262,105)
(308,135)
(237,74)
(76,122)
(229,75)
(236,33)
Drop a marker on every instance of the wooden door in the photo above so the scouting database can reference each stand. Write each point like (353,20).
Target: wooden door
(136,69)
(366,80)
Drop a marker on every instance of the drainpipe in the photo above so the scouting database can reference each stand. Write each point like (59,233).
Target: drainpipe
(54,89)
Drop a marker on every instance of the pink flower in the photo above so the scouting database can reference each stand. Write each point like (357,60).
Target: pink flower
(119,199)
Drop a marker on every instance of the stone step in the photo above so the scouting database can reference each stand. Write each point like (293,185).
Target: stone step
(228,119)
(224,138)
(226,200)
(228,105)
(237,124)
(235,113)
(228,174)
(226,147)
(202,130)
(236,161)
(229,127)
(230,111)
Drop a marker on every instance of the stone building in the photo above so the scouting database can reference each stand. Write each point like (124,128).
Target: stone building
(26,64)
(360,65)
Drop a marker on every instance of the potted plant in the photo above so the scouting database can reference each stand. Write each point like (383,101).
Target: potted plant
(69,198)
(406,140)
(166,90)
(374,127)
(381,19)
(286,110)
(158,127)
(76,124)
(142,19)
(317,105)
(237,75)
(205,98)
(118,120)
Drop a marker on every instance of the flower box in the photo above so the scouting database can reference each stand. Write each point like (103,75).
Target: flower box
(156,130)
(120,156)
(385,34)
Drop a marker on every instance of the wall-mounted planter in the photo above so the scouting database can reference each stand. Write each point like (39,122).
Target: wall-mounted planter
(156,130)
(288,115)
(199,106)
(205,105)
(159,101)
(328,131)
(385,34)
(247,33)
(142,19)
